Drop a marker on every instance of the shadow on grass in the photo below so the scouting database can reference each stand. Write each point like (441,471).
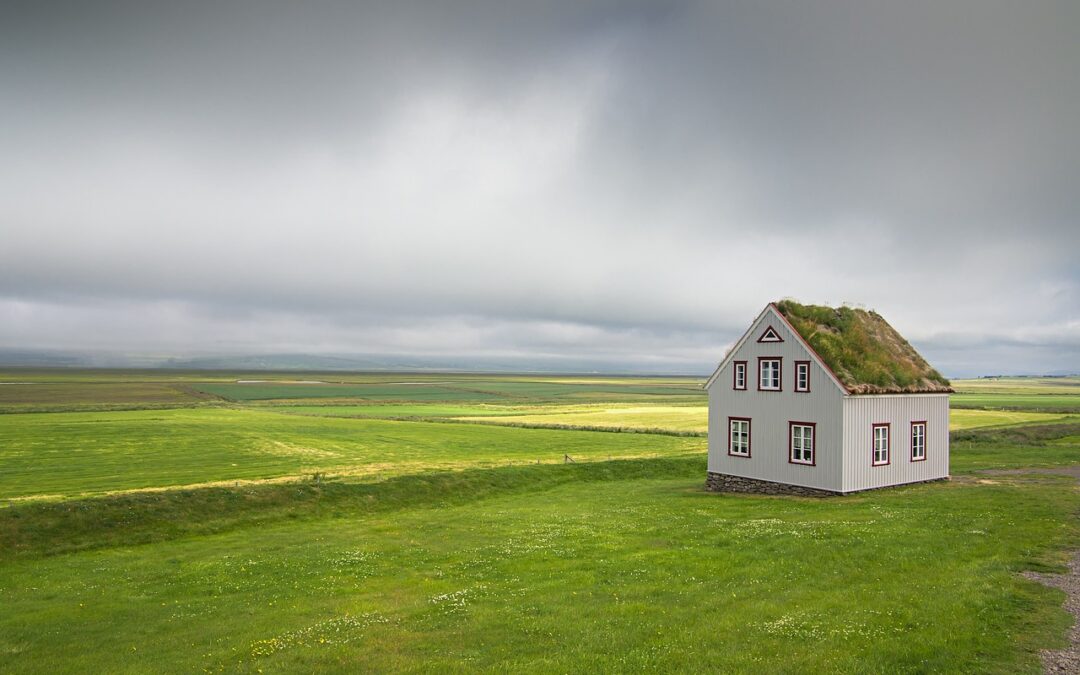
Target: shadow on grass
(37,529)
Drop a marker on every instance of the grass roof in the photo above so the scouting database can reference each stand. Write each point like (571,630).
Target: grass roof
(867,355)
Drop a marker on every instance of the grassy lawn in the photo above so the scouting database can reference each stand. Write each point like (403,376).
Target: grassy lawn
(590,574)
(188,539)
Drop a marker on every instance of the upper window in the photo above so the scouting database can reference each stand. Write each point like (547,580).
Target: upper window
(918,441)
(801,442)
(881,444)
(739,436)
(740,375)
(802,376)
(769,373)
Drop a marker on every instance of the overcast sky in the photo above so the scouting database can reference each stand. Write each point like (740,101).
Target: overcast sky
(616,182)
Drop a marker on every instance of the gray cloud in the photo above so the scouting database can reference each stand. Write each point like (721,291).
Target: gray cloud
(599,180)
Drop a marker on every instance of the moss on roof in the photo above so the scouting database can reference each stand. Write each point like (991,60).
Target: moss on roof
(867,354)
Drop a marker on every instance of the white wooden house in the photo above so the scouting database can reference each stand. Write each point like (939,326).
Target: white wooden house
(815,400)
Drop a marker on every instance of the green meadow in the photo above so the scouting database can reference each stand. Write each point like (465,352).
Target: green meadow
(327,522)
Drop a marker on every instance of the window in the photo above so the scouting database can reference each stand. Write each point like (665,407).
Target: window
(740,375)
(769,373)
(802,376)
(801,442)
(881,444)
(739,436)
(918,441)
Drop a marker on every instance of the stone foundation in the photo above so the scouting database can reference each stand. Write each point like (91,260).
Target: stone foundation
(722,482)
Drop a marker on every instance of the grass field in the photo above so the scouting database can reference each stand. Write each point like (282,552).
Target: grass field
(65,454)
(1052,394)
(962,418)
(31,395)
(621,416)
(453,389)
(570,577)
(383,533)
(1019,385)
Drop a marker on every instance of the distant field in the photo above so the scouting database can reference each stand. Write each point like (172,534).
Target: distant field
(374,525)
(451,389)
(620,416)
(64,454)
(1050,394)
(392,411)
(1035,402)
(623,416)
(373,392)
(15,393)
(970,419)
(610,416)
(1019,385)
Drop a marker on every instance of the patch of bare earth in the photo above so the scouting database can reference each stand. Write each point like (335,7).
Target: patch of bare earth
(1064,660)
(1061,660)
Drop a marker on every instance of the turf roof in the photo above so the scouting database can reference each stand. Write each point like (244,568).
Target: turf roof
(865,353)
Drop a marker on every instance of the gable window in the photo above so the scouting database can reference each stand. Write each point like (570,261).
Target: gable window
(740,375)
(802,376)
(769,373)
(918,441)
(739,436)
(770,335)
(881,444)
(801,442)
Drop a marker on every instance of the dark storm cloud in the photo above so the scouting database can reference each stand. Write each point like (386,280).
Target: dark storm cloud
(594,179)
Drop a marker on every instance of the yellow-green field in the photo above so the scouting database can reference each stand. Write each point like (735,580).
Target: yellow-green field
(961,418)
(159,521)
(1019,385)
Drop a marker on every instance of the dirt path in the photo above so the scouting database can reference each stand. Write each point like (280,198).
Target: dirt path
(1065,660)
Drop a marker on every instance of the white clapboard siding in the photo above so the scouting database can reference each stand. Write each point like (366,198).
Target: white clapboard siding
(899,411)
(771,411)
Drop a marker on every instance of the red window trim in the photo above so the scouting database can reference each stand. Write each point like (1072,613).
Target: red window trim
(888,445)
(791,443)
(780,371)
(749,443)
(925,440)
(775,332)
(734,373)
(807,364)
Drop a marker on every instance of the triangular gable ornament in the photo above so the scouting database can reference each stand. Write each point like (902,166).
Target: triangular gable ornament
(770,335)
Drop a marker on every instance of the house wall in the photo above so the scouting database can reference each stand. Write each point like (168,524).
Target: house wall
(771,411)
(860,413)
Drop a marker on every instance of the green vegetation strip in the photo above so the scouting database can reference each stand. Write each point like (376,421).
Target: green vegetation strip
(47,528)
(68,454)
(553,569)
(1015,447)
(1018,401)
